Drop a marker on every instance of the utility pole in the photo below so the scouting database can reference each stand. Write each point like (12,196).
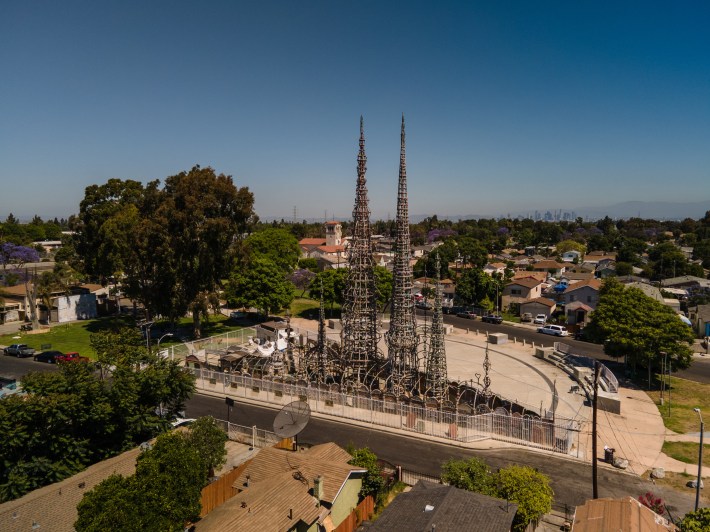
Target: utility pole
(700,460)
(595,490)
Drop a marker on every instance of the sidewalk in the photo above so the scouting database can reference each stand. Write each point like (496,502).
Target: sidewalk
(637,434)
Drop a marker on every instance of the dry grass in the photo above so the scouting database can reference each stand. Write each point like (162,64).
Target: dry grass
(678,481)
(685,395)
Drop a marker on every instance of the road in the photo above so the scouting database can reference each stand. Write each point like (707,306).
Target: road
(699,371)
(571,479)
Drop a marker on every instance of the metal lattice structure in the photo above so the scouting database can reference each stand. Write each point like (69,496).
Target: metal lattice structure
(402,336)
(321,360)
(359,313)
(437,385)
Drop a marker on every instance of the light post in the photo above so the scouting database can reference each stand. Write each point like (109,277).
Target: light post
(157,346)
(700,459)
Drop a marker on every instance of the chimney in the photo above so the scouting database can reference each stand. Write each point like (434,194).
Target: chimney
(318,488)
(290,513)
(247,482)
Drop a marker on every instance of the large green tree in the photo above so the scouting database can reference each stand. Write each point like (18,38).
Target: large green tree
(278,245)
(263,285)
(330,285)
(162,495)
(69,419)
(630,324)
(171,247)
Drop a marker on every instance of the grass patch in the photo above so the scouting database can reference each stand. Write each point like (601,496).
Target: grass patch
(678,481)
(305,308)
(685,395)
(75,336)
(686,451)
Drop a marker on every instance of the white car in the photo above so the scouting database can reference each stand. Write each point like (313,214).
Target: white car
(555,330)
(540,319)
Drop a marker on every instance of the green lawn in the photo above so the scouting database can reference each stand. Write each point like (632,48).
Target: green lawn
(304,307)
(686,451)
(685,395)
(75,336)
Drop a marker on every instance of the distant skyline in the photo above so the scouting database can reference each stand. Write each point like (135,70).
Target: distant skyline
(510,107)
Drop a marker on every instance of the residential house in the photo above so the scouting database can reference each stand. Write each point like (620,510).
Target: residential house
(577,313)
(694,285)
(524,274)
(586,292)
(493,268)
(283,490)
(53,507)
(700,318)
(308,245)
(77,303)
(605,269)
(553,267)
(655,293)
(539,305)
(627,514)
(571,256)
(520,290)
(429,506)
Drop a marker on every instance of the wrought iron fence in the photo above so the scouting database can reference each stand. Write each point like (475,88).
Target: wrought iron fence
(554,435)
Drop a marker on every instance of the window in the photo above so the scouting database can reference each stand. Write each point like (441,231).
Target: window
(589,299)
(571,298)
(515,291)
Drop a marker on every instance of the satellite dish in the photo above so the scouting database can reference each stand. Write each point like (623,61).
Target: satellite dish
(292,419)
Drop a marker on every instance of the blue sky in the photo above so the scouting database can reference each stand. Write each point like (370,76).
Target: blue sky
(510,106)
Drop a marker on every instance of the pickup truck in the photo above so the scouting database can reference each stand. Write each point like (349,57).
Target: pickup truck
(71,357)
(19,350)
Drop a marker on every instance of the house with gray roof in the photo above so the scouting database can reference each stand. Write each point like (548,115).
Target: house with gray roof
(429,506)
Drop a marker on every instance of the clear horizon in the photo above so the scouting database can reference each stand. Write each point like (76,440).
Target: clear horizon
(510,108)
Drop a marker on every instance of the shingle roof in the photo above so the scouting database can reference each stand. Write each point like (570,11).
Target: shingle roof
(527,282)
(592,283)
(542,300)
(278,493)
(328,463)
(449,509)
(53,507)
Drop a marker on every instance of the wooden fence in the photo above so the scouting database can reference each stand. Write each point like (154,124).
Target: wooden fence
(363,511)
(220,490)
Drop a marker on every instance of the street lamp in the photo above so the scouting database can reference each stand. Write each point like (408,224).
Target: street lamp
(700,459)
(157,347)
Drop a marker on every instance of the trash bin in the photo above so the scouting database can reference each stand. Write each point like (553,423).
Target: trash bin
(609,455)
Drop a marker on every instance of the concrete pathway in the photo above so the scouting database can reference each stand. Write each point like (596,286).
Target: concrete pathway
(637,434)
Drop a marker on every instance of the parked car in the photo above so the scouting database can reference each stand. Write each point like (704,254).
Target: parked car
(71,357)
(540,319)
(555,330)
(453,310)
(50,357)
(526,317)
(424,305)
(492,318)
(19,350)
(468,314)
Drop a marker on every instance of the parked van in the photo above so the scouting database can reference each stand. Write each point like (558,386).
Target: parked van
(555,330)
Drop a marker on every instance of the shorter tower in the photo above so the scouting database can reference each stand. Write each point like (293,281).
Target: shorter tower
(436,378)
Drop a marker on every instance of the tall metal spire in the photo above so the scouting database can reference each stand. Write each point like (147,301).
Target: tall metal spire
(436,378)
(402,336)
(359,318)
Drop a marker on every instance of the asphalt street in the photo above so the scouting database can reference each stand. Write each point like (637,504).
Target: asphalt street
(571,479)
(699,371)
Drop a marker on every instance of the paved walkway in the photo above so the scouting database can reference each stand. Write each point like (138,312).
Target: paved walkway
(637,434)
